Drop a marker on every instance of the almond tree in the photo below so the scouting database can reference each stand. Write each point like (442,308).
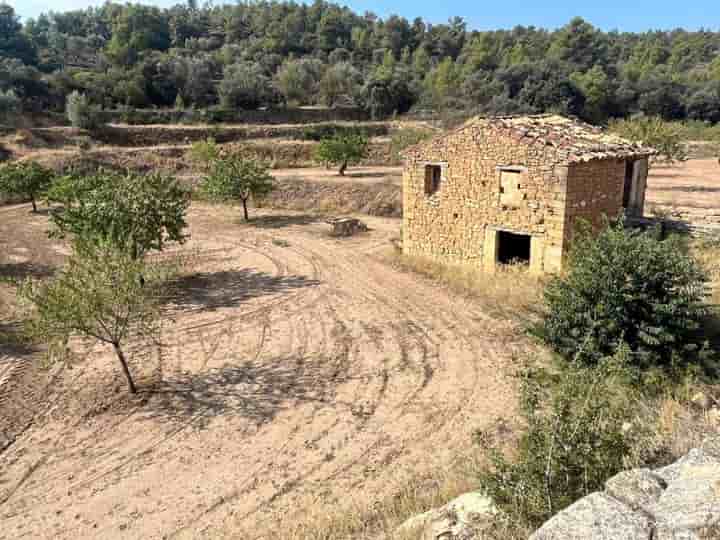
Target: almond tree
(135,213)
(26,179)
(102,293)
(342,150)
(237,179)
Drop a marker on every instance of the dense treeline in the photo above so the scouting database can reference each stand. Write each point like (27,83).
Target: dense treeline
(271,53)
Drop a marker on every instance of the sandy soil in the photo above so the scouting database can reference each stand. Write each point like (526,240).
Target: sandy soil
(691,190)
(296,370)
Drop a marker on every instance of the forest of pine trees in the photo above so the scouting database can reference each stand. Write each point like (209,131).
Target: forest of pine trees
(272,53)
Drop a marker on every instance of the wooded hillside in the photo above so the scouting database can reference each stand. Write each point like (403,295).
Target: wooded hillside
(272,53)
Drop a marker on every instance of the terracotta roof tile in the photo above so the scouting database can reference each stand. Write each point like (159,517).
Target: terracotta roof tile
(581,141)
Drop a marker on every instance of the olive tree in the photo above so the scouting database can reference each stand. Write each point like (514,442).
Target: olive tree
(343,150)
(27,180)
(102,293)
(237,179)
(135,213)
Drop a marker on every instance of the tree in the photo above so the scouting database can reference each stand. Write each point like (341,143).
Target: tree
(134,213)
(237,179)
(654,132)
(10,106)
(79,112)
(26,179)
(343,150)
(244,85)
(627,287)
(297,80)
(13,42)
(340,80)
(102,293)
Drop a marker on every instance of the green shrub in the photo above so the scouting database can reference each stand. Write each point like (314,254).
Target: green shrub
(579,433)
(625,286)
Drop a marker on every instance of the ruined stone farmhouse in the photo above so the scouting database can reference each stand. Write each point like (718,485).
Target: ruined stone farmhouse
(505,189)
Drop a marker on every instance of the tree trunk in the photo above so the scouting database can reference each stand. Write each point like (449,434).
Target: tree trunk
(247,218)
(342,168)
(34,204)
(121,357)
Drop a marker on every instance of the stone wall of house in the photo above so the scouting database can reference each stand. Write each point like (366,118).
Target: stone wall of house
(594,190)
(457,224)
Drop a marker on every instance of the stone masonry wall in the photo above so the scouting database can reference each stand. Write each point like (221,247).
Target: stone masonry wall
(455,224)
(595,189)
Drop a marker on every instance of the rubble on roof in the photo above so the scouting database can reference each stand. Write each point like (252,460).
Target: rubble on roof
(577,140)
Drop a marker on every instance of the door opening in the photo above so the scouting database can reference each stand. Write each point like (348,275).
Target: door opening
(513,248)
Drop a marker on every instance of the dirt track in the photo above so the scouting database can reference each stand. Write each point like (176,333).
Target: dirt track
(298,369)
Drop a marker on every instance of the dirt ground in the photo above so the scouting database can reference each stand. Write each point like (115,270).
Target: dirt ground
(689,190)
(297,370)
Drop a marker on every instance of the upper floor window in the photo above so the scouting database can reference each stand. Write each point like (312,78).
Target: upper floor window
(433,177)
(510,182)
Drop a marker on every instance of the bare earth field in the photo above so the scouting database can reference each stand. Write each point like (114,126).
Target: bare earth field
(690,190)
(298,371)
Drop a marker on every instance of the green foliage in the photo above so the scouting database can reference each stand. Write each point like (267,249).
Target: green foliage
(577,437)
(237,179)
(10,107)
(340,82)
(102,293)
(79,111)
(27,179)
(205,152)
(328,131)
(624,286)
(245,86)
(298,80)
(665,137)
(133,213)
(342,150)
(406,137)
(145,56)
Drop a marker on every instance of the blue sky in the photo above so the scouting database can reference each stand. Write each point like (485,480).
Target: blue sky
(629,15)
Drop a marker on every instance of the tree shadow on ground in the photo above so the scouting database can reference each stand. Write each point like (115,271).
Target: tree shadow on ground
(361,174)
(23,270)
(14,341)
(227,288)
(256,392)
(281,221)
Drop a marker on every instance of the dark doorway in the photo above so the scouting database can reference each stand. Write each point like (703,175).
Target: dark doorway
(513,248)
(627,187)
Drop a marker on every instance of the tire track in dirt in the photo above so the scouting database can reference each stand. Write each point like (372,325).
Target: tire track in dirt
(373,345)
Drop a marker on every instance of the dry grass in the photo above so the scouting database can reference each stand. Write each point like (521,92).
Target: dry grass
(511,292)
(363,519)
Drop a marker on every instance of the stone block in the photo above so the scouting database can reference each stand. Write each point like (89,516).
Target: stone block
(596,517)
(638,489)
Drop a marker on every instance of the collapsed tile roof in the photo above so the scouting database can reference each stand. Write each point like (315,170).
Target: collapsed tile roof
(576,140)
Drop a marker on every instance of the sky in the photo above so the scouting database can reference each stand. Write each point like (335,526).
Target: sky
(624,15)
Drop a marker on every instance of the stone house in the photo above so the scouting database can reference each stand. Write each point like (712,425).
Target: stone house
(503,189)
